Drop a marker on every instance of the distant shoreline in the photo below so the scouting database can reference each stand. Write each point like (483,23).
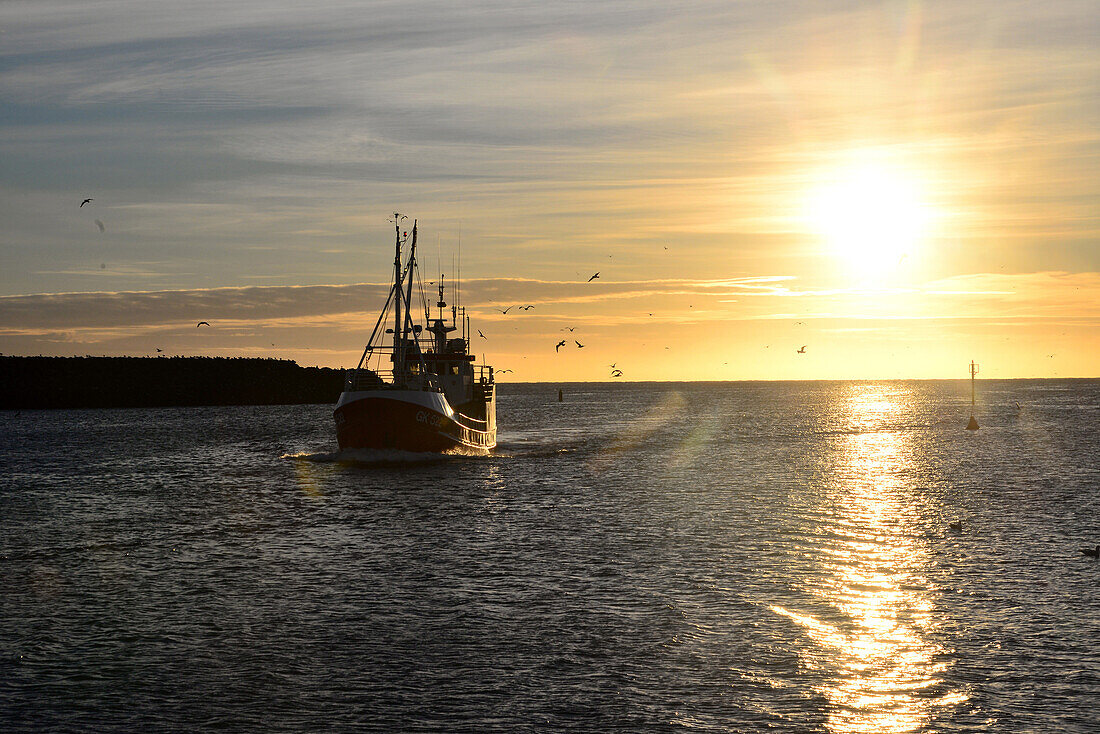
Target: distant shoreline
(151,382)
(147,382)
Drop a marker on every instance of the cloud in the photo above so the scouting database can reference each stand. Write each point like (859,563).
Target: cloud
(553,125)
(1024,296)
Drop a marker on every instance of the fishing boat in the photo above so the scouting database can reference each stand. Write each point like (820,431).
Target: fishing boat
(416,387)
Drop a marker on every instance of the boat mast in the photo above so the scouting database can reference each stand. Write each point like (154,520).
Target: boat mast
(396,287)
(406,327)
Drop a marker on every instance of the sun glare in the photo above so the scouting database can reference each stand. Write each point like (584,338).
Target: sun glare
(870,216)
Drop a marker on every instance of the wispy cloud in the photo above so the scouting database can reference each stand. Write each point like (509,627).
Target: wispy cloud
(1025,296)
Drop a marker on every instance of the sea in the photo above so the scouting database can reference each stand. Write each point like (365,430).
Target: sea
(639,557)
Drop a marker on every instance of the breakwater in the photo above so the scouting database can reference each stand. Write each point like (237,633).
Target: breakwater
(132,382)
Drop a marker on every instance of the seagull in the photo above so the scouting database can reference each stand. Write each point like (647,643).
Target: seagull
(569,328)
(481,335)
(159,349)
(594,276)
(559,345)
(1094,553)
(802,350)
(617,373)
(84,202)
(503,371)
(505,310)
(579,345)
(201,323)
(613,365)
(100,225)
(526,308)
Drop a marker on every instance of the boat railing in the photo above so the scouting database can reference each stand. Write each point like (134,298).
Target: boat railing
(474,424)
(484,372)
(355,380)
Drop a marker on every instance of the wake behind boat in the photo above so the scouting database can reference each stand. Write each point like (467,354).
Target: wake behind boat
(415,388)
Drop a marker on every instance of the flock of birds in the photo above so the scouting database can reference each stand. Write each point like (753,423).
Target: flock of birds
(524,307)
(564,342)
(557,347)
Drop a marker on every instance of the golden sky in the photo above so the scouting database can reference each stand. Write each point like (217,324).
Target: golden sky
(901,187)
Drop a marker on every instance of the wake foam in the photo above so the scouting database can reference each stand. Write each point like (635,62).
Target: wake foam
(378,456)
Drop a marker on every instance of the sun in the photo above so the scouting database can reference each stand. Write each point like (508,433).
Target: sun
(869,215)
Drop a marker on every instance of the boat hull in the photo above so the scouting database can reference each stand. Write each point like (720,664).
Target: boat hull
(406,421)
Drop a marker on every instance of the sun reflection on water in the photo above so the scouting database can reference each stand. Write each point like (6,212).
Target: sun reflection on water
(881,671)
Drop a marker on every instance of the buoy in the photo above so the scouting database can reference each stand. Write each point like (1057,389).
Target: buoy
(559,395)
(973,424)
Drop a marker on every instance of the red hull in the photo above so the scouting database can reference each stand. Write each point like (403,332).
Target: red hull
(381,423)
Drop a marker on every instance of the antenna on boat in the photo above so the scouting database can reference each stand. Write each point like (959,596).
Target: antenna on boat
(973,424)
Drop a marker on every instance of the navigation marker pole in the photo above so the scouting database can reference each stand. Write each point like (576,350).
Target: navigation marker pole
(973,424)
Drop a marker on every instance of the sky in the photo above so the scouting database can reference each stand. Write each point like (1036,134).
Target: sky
(900,187)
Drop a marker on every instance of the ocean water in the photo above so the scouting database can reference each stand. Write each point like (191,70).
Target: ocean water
(803,557)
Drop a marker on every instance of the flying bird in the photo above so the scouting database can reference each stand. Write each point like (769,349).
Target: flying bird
(802,350)
(526,308)
(505,310)
(613,365)
(579,345)
(559,345)
(202,323)
(617,373)
(100,225)
(569,328)
(159,349)
(594,276)
(481,335)
(83,203)
(503,371)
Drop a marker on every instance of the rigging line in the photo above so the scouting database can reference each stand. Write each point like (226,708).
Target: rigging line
(458,282)
(423,299)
